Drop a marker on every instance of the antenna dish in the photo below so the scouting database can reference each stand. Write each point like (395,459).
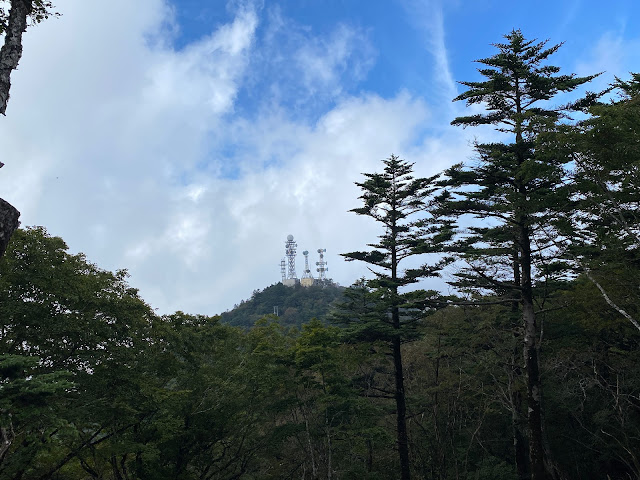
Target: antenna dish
(289,237)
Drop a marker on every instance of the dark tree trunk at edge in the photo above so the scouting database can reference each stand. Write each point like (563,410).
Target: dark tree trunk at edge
(401,405)
(515,375)
(8,223)
(11,51)
(534,390)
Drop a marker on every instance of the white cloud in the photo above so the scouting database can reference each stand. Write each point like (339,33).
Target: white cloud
(614,53)
(299,66)
(206,72)
(323,61)
(428,17)
(112,142)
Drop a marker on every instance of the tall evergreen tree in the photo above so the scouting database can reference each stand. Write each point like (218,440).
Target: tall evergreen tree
(397,201)
(516,189)
(605,225)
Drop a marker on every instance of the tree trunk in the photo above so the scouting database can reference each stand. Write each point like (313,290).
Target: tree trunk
(12,49)
(534,384)
(401,401)
(532,369)
(515,375)
(6,439)
(515,398)
(10,54)
(8,223)
(401,404)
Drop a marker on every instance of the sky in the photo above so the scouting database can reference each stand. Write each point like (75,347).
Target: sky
(183,140)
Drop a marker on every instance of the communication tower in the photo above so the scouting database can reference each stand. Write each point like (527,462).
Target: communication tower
(307,271)
(290,247)
(283,269)
(307,278)
(322,265)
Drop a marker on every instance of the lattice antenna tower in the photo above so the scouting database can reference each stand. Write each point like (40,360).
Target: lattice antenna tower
(307,271)
(290,247)
(283,269)
(322,265)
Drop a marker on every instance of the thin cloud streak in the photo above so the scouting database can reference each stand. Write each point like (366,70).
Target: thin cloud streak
(428,17)
(610,54)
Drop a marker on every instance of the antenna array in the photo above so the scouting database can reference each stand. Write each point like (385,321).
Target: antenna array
(291,247)
(322,265)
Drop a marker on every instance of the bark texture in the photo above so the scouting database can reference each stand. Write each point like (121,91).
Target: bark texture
(534,383)
(8,223)
(515,376)
(11,51)
(401,411)
(401,401)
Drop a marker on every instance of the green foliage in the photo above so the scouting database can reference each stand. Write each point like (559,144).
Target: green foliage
(380,311)
(360,312)
(400,204)
(603,224)
(40,10)
(593,385)
(457,375)
(518,85)
(295,305)
(211,401)
(519,187)
(186,396)
(31,404)
(62,308)
(67,319)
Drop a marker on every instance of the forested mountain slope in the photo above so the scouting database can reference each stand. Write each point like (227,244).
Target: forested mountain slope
(293,305)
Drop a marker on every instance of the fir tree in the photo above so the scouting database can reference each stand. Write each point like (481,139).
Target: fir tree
(399,202)
(518,190)
(605,226)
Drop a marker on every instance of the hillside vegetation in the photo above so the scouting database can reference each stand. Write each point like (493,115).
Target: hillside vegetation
(292,305)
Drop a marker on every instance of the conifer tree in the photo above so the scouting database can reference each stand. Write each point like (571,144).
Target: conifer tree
(399,202)
(517,190)
(605,225)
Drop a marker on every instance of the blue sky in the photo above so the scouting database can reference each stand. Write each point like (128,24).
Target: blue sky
(185,139)
(400,38)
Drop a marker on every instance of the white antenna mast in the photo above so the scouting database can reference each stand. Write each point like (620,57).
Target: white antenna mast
(322,265)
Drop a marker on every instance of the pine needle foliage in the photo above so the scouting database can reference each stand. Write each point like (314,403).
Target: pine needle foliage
(512,195)
(385,313)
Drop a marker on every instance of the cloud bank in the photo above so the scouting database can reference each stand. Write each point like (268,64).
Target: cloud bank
(189,166)
(134,152)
